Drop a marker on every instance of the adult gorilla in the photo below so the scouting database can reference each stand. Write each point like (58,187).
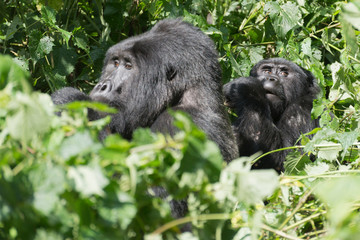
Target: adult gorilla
(273,106)
(172,66)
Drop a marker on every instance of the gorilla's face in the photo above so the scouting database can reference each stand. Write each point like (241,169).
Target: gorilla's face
(283,82)
(119,71)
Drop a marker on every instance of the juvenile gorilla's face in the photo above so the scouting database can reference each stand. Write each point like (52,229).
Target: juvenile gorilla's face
(120,69)
(282,80)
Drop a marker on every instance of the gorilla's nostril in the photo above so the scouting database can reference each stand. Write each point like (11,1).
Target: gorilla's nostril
(103,87)
(119,90)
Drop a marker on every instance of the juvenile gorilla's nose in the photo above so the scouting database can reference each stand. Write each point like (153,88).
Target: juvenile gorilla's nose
(272,79)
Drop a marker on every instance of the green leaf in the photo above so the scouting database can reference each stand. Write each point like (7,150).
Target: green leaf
(347,139)
(39,46)
(34,40)
(64,60)
(48,15)
(256,54)
(284,17)
(65,34)
(13,28)
(295,163)
(81,40)
(200,154)
(306,47)
(121,211)
(350,37)
(102,107)
(55,4)
(201,157)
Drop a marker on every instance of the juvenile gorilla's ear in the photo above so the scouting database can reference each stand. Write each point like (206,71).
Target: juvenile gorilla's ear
(170,73)
(309,76)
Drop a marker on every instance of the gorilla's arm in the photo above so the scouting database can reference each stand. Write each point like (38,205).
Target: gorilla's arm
(69,94)
(254,128)
(208,118)
(296,119)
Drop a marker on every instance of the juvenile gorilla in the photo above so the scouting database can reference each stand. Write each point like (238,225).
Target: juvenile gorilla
(174,65)
(273,106)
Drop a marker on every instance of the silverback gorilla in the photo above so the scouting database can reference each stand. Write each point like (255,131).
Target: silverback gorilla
(172,66)
(273,106)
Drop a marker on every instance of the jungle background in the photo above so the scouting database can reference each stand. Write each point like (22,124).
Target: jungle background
(58,181)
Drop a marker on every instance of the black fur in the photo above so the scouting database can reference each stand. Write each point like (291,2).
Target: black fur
(172,66)
(273,106)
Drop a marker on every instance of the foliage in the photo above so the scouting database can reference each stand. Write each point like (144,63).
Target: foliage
(57,181)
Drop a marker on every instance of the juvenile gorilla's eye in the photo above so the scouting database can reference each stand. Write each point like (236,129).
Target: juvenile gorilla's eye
(116,62)
(267,71)
(128,65)
(285,74)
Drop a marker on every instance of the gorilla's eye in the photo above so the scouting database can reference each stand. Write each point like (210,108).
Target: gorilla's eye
(267,71)
(116,63)
(128,65)
(285,74)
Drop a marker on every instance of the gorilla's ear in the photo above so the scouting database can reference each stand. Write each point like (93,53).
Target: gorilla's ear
(170,73)
(309,76)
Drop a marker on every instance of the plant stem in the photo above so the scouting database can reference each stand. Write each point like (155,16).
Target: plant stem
(300,203)
(205,217)
(303,221)
(280,233)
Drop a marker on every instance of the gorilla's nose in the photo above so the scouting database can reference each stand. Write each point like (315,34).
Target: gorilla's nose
(103,87)
(272,79)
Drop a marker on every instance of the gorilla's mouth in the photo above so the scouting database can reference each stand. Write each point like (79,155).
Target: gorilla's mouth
(228,103)
(271,96)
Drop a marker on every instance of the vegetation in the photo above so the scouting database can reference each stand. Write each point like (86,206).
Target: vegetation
(57,181)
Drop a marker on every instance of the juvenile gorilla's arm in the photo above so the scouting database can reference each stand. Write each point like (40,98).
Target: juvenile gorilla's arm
(254,128)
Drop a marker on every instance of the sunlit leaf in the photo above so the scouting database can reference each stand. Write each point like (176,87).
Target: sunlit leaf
(351,13)
(89,180)
(328,151)
(48,182)
(12,74)
(42,234)
(250,187)
(79,143)
(30,116)
(340,195)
